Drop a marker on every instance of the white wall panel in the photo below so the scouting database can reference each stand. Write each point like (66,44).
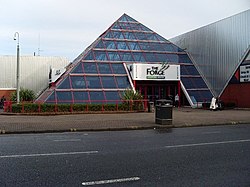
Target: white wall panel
(34,71)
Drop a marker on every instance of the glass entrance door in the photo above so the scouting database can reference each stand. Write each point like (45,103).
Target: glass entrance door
(153,92)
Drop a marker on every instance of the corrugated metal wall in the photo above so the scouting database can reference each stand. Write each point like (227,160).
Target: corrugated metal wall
(34,71)
(218,48)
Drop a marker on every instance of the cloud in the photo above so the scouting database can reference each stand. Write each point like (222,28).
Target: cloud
(66,27)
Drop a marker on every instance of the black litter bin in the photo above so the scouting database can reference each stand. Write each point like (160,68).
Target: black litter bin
(164,112)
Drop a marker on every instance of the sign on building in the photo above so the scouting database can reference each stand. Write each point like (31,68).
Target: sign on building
(245,73)
(54,74)
(156,72)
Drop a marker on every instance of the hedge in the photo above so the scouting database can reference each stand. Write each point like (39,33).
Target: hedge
(52,108)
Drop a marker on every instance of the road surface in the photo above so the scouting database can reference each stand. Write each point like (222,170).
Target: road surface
(198,156)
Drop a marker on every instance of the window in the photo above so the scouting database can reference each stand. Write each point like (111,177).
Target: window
(78,82)
(93,82)
(100,55)
(126,56)
(122,45)
(118,69)
(138,57)
(65,84)
(64,97)
(133,46)
(96,97)
(104,68)
(112,95)
(129,35)
(89,68)
(113,56)
(78,69)
(109,44)
(108,82)
(122,82)
(80,97)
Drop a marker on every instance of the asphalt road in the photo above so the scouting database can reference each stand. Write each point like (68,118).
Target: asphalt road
(198,156)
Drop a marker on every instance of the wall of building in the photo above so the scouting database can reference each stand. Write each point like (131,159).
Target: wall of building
(218,48)
(237,94)
(34,72)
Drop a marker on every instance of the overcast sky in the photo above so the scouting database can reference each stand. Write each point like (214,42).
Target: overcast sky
(66,27)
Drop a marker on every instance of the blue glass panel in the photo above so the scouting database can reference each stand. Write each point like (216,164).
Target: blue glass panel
(129,35)
(104,68)
(90,67)
(109,34)
(109,44)
(112,95)
(113,56)
(100,55)
(144,46)
(133,46)
(118,35)
(96,97)
(140,35)
(151,36)
(126,56)
(80,97)
(118,69)
(78,69)
(142,27)
(130,19)
(169,47)
(124,25)
(150,57)
(51,99)
(123,18)
(78,82)
(156,46)
(189,70)
(108,82)
(93,82)
(184,59)
(64,84)
(193,82)
(135,26)
(162,57)
(116,26)
(172,58)
(123,82)
(200,95)
(89,56)
(122,45)
(100,45)
(160,38)
(139,57)
(64,97)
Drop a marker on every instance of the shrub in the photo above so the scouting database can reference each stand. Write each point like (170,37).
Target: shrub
(25,95)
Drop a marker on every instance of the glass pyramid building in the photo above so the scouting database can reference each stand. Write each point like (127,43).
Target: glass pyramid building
(100,73)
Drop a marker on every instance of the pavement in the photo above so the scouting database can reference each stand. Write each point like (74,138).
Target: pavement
(182,117)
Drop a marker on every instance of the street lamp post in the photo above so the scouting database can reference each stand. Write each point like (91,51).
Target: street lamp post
(16,37)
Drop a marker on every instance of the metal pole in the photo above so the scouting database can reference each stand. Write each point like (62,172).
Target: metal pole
(18,69)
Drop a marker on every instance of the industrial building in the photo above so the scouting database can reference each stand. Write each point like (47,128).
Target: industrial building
(34,72)
(221,53)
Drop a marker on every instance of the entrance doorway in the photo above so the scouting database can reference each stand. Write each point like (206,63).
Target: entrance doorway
(154,90)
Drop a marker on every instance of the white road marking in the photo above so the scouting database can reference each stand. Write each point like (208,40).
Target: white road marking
(212,132)
(91,183)
(48,154)
(68,140)
(208,143)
